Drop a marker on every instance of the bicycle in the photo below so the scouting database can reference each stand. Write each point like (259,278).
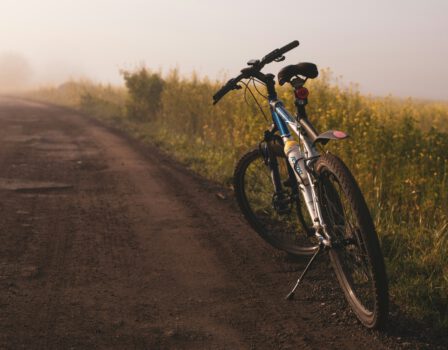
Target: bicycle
(304,202)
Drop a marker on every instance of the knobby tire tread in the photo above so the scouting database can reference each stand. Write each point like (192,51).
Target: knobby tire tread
(351,189)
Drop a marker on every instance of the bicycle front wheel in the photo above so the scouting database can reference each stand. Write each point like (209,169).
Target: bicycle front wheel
(356,255)
(254,190)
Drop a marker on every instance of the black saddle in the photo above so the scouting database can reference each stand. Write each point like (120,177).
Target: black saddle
(305,69)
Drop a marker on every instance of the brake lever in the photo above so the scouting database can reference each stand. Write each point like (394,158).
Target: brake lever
(253,62)
(279,59)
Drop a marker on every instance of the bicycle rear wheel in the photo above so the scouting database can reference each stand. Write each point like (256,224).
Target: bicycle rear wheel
(255,193)
(356,254)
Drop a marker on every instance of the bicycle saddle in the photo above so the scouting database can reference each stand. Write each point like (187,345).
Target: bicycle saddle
(308,70)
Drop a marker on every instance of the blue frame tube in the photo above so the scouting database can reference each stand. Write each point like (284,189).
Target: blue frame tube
(281,125)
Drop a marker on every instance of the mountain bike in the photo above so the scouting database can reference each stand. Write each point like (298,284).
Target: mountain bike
(307,202)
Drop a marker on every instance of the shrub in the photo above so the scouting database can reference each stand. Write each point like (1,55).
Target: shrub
(145,89)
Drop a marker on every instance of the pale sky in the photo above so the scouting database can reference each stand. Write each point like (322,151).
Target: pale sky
(386,46)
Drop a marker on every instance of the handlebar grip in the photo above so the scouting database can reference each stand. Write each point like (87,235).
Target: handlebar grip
(219,94)
(224,90)
(289,47)
(232,84)
(271,56)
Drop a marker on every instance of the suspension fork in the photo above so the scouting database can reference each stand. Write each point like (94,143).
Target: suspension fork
(271,151)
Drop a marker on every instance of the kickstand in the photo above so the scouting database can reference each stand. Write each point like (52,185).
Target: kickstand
(290,296)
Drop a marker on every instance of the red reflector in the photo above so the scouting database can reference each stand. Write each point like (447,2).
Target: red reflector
(339,134)
(302,93)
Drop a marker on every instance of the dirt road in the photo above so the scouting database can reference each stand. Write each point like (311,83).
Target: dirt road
(109,245)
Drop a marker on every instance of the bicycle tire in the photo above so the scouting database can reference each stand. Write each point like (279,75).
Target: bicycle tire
(283,232)
(356,255)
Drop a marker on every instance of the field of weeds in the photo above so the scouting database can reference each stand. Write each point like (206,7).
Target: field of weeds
(398,152)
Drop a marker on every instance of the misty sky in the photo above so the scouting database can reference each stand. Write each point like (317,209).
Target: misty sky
(394,46)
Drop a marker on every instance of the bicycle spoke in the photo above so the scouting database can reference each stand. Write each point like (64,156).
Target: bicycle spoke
(283,227)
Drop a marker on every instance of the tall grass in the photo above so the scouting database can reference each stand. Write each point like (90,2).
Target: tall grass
(398,151)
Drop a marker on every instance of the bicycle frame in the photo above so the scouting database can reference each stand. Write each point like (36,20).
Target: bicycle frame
(305,132)
(282,120)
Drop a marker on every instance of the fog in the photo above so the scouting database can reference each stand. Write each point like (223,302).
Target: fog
(387,47)
(18,73)
(15,72)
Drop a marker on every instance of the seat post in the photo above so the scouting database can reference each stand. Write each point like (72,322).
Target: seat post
(301,93)
(301,111)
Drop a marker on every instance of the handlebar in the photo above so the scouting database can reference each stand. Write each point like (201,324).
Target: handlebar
(255,66)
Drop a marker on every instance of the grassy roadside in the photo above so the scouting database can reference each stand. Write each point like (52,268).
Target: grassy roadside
(398,152)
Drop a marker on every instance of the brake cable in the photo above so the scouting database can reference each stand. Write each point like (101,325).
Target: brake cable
(253,96)
(255,86)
